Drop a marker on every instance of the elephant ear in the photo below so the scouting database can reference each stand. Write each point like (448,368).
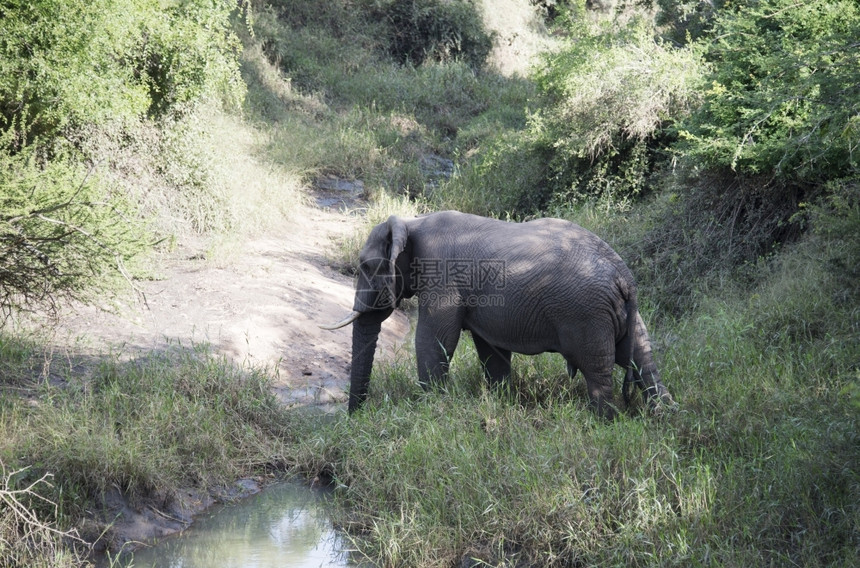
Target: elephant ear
(399,234)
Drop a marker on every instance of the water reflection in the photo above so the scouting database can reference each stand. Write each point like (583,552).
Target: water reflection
(284,525)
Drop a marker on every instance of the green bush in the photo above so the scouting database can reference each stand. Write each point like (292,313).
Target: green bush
(73,74)
(781,97)
(610,99)
(836,218)
(436,30)
(710,232)
(189,52)
(614,95)
(64,233)
(74,63)
(506,178)
(683,20)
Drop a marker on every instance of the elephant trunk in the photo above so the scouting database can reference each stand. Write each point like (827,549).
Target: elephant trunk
(365,333)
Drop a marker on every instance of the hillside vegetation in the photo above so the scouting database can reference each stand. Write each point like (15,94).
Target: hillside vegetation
(713,144)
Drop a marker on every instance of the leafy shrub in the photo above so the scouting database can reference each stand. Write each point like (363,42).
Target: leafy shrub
(505,179)
(78,62)
(53,75)
(63,233)
(682,20)
(837,220)
(782,96)
(615,94)
(436,30)
(75,72)
(190,52)
(611,97)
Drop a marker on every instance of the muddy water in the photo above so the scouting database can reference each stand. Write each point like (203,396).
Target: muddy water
(284,525)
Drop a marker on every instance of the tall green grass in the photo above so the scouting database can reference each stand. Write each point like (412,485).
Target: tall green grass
(758,468)
(148,427)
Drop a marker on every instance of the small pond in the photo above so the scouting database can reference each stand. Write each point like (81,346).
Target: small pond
(283,525)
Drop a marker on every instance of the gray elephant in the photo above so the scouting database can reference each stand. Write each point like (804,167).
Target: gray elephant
(546,285)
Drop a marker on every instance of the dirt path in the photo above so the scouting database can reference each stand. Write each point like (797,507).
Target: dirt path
(263,309)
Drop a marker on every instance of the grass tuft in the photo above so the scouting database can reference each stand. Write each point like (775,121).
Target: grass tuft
(149,426)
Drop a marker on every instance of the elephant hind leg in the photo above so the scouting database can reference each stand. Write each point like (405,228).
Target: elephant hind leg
(597,370)
(495,361)
(600,393)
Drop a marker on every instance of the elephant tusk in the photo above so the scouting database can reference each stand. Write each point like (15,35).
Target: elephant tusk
(343,323)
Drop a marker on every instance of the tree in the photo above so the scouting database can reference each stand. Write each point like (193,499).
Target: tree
(614,95)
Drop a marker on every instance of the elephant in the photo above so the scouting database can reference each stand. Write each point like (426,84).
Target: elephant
(546,285)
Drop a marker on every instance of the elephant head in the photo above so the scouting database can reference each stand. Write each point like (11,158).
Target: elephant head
(380,285)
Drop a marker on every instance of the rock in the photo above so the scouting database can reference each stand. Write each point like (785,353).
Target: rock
(436,169)
(334,183)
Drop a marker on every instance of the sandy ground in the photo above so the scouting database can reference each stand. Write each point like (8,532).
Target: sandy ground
(262,308)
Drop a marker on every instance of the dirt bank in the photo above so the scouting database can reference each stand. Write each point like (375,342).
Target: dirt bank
(261,307)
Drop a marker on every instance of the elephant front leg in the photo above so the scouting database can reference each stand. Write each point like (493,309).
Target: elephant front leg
(435,342)
(495,361)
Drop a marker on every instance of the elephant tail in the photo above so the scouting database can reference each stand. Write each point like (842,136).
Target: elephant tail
(632,311)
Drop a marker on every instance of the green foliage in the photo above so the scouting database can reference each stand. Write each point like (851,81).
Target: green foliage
(190,52)
(435,30)
(711,232)
(683,20)
(614,94)
(782,96)
(74,63)
(836,218)
(406,31)
(72,76)
(61,63)
(552,9)
(610,99)
(63,232)
(506,177)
